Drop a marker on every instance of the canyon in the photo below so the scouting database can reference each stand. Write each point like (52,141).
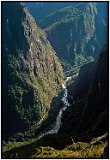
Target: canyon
(55,66)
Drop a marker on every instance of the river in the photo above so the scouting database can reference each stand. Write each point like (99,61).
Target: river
(57,125)
(64,99)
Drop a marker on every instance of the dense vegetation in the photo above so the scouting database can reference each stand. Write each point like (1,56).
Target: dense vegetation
(34,83)
(29,81)
(73,29)
(96,148)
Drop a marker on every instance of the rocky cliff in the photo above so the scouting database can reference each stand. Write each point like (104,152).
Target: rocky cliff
(32,73)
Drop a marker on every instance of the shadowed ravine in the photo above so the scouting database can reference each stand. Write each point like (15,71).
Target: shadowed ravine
(57,125)
(64,99)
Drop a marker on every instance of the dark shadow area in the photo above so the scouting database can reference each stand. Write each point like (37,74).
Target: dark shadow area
(56,141)
(55,107)
(88,116)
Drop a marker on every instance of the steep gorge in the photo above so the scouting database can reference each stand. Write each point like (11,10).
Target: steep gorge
(73,29)
(32,73)
(44,115)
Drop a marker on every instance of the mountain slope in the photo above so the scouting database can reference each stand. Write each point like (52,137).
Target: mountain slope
(88,113)
(73,29)
(29,83)
(32,83)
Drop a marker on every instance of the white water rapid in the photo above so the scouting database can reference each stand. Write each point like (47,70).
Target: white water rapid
(57,125)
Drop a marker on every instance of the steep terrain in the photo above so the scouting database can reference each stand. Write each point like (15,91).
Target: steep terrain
(32,73)
(88,113)
(73,29)
(45,115)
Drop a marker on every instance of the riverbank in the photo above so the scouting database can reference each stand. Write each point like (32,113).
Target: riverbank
(57,123)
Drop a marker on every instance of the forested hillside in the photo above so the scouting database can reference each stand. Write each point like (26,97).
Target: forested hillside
(73,29)
(29,81)
(55,80)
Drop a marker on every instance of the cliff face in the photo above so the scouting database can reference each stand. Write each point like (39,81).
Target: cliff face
(32,73)
(94,118)
(88,113)
(73,29)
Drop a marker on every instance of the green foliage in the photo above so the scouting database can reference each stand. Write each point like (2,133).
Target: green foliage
(72,29)
(33,149)
(78,146)
(80,60)
(29,81)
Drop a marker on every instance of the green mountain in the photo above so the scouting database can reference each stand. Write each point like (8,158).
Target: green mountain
(44,113)
(73,29)
(32,73)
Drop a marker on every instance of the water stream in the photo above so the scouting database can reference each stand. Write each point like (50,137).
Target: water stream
(57,125)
